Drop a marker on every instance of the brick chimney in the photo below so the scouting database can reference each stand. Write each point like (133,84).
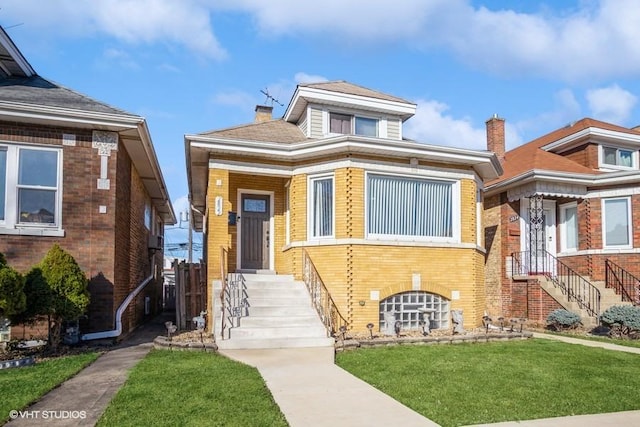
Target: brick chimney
(495,136)
(263,113)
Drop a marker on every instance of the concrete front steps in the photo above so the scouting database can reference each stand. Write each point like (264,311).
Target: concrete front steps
(608,298)
(280,315)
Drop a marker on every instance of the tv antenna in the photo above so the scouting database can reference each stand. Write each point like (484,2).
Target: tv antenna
(270,98)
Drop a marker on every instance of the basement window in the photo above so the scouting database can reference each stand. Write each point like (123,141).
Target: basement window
(409,307)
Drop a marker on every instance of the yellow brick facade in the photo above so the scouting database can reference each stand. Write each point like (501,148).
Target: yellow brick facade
(350,266)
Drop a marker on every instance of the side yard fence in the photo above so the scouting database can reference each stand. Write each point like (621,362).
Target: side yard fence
(190,292)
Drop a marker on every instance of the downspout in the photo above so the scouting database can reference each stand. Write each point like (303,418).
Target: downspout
(118,330)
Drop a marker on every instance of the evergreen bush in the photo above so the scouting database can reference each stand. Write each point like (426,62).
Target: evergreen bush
(12,298)
(562,319)
(68,290)
(624,320)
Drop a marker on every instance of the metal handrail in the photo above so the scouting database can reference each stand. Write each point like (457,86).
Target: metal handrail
(623,282)
(563,277)
(233,296)
(324,304)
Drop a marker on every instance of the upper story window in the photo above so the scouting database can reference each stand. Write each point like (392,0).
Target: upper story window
(618,157)
(352,125)
(30,189)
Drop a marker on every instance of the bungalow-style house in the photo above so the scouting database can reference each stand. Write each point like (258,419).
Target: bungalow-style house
(84,175)
(333,193)
(561,223)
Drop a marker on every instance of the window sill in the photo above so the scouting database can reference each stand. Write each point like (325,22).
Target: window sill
(43,232)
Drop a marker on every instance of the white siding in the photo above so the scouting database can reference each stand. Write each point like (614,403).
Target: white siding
(315,123)
(393,128)
(303,124)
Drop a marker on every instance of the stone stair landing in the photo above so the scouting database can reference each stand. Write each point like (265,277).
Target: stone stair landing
(279,315)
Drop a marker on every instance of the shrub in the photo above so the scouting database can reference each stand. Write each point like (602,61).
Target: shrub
(623,320)
(68,289)
(562,319)
(12,298)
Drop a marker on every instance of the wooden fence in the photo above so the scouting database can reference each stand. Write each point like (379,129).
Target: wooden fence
(191,292)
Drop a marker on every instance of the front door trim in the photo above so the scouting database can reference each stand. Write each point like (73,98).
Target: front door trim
(245,191)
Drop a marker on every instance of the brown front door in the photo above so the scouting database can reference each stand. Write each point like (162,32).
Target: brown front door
(254,223)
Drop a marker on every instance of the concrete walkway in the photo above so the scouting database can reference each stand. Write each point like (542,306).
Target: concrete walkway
(312,391)
(81,400)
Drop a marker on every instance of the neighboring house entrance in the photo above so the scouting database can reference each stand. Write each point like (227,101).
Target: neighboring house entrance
(539,237)
(254,231)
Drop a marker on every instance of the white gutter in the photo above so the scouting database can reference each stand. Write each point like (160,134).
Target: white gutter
(118,330)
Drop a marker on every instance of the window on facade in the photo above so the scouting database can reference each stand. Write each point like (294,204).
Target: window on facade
(321,207)
(347,124)
(147,215)
(29,186)
(617,157)
(616,215)
(400,206)
(410,307)
(569,227)
(287,215)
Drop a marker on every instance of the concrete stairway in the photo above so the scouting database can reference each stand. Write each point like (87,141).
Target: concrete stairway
(608,298)
(280,315)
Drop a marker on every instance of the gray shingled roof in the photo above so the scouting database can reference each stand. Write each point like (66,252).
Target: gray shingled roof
(38,91)
(342,86)
(271,131)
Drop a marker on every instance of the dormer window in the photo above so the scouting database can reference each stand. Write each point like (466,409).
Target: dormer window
(618,157)
(352,125)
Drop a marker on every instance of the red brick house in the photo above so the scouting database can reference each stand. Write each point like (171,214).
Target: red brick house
(84,175)
(561,223)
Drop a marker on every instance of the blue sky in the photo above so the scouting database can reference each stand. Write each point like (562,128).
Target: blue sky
(189,66)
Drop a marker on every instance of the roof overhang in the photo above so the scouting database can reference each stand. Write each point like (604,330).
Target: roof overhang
(12,62)
(304,96)
(200,148)
(593,134)
(559,184)
(133,133)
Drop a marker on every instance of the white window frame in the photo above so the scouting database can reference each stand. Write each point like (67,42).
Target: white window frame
(310,199)
(11,224)
(629,224)
(603,165)
(354,116)
(287,213)
(456,214)
(563,227)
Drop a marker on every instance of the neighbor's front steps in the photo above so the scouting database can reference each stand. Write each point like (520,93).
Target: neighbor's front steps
(608,298)
(280,315)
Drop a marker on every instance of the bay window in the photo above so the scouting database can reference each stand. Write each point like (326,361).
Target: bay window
(321,206)
(616,220)
(414,208)
(30,182)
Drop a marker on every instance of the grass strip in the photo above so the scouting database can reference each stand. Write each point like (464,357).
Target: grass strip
(170,388)
(502,381)
(20,387)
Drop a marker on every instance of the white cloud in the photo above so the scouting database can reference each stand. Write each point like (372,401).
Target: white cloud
(611,104)
(120,57)
(184,22)
(595,39)
(431,125)
(302,78)
(235,98)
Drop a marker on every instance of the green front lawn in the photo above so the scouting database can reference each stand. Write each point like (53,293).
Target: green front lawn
(503,381)
(173,388)
(19,387)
